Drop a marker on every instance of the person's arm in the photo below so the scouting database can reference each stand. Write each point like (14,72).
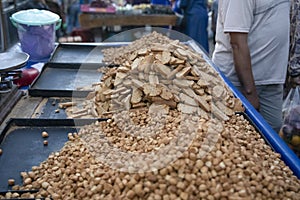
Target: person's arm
(214,15)
(242,63)
(213,22)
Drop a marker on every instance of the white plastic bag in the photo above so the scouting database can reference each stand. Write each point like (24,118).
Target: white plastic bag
(290,130)
(291,101)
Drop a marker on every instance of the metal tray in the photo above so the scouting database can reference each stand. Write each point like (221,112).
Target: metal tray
(64,80)
(80,52)
(21,140)
(50,109)
(22,144)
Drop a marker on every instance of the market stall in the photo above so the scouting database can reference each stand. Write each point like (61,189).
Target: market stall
(94,16)
(96,20)
(220,148)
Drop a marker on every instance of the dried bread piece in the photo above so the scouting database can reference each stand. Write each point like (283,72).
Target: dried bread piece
(137,96)
(142,51)
(218,91)
(218,113)
(136,63)
(183,72)
(166,94)
(238,106)
(139,105)
(188,100)
(187,109)
(137,83)
(176,61)
(158,109)
(224,108)
(120,76)
(132,56)
(183,83)
(201,100)
(165,57)
(153,78)
(175,71)
(161,68)
(157,47)
(161,101)
(152,90)
(123,69)
(145,64)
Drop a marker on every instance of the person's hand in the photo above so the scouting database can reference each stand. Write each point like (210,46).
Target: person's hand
(253,99)
(294,81)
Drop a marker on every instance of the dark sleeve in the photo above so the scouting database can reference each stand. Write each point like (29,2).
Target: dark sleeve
(183,4)
(294,58)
